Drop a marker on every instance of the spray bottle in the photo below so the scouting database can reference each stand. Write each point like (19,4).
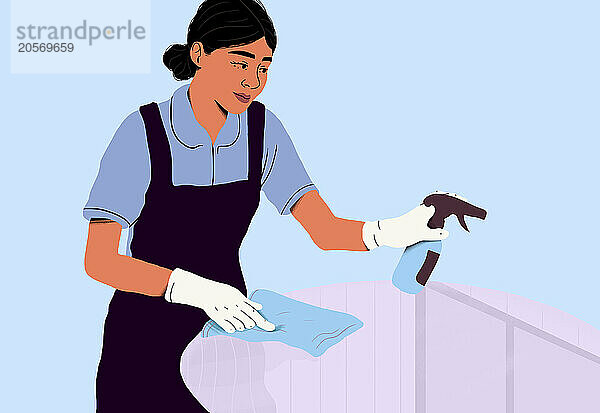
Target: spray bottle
(419,260)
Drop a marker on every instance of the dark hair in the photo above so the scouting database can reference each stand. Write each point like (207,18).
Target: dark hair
(218,24)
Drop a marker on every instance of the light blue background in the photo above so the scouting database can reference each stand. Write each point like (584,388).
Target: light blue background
(385,101)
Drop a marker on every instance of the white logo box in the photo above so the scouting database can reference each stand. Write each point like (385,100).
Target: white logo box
(62,36)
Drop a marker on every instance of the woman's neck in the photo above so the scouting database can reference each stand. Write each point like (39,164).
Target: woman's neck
(207,111)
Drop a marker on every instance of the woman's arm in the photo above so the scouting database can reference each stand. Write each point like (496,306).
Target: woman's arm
(103,262)
(326,230)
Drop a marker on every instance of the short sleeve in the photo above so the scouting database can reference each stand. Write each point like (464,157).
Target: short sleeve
(124,175)
(284,179)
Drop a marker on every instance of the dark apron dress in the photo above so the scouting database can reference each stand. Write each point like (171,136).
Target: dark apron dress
(196,228)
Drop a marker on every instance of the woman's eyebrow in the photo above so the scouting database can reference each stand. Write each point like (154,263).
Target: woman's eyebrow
(250,55)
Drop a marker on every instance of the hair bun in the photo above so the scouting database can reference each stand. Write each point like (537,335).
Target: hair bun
(177,59)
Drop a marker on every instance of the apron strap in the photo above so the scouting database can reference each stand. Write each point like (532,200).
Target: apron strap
(256,131)
(158,145)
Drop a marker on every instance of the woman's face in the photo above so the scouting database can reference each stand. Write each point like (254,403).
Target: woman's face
(233,76)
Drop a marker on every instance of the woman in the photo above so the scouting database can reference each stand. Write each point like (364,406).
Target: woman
(185,177)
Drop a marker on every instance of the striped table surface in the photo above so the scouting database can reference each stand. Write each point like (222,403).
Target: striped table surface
(449,348)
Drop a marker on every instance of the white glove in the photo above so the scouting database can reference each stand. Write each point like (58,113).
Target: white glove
(405,230)
(225,304)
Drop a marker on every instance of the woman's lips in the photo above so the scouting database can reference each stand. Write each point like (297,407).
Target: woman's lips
(242,98)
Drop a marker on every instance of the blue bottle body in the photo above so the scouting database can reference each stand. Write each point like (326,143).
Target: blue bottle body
(413,258)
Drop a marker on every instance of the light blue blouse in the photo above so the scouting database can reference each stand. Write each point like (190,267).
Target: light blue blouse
(124,175)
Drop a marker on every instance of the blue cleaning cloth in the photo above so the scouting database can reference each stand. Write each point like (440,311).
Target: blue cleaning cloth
(297,324)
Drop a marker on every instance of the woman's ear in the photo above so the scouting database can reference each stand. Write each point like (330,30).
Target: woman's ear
(196,52)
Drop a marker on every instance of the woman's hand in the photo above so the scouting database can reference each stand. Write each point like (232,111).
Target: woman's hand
(226,305)
(405,230)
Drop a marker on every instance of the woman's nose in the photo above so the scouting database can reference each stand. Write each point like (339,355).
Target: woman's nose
(251,82)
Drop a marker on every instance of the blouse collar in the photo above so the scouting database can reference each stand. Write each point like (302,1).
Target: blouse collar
(189,132)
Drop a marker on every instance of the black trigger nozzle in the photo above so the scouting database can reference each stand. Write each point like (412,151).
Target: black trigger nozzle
(461,220)
(446,205)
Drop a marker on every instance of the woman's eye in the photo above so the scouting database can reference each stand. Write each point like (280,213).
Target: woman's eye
(241,64)
(264,69)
